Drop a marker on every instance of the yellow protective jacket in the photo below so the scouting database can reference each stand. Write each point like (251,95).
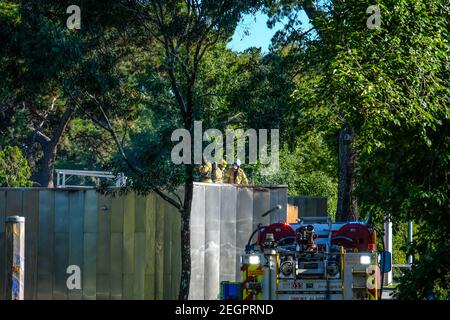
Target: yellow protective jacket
(218,175)
(241,178)
(205,172)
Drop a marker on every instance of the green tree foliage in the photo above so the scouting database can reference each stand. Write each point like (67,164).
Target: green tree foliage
(252,90)
(392,85)
(14,169)
(38,53)
(85,147)
(9,19)
(307,168)
(51,74)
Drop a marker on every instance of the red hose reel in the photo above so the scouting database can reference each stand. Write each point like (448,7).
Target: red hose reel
(354,236)
(280,231)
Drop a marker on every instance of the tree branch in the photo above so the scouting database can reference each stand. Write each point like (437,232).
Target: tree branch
(40,137)
(63,122)
(138,171)
(46,114)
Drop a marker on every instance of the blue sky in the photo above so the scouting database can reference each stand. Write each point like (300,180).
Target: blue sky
(259,34)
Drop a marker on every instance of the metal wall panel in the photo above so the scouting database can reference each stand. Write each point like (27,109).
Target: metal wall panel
(61,212)
(128,245)
(76,236)
(90,245)
(31,213)
(212,242)
(159,249)
(150,232)
(60,259)
(261,203)
(228,247)
(103,247)
(90,266)
(274,216)
(309,206)
(176,254)
(127,286)
(140,214)
(139,269)
(116,266)
(90,211)
(44,290)
(197,225)
(139,249)
(149,287)
(117,214)
(61,245)
(14,202)
(45,245)
(128,232)
(282,200)
(322,206)
(103,287)
(2,210)
(244,221)
(168,221)
(278,196)
(2,244)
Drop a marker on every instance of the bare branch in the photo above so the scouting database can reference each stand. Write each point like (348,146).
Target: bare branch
(237,118)
(168,199)
(40,137)
(210,94)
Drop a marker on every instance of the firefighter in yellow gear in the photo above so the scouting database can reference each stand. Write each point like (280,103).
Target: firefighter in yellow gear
(205,172)
(219,171)
(236,175)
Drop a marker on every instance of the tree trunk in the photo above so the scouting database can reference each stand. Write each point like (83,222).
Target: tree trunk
(47,165)
(50,148)
(186,235)
(347,208)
